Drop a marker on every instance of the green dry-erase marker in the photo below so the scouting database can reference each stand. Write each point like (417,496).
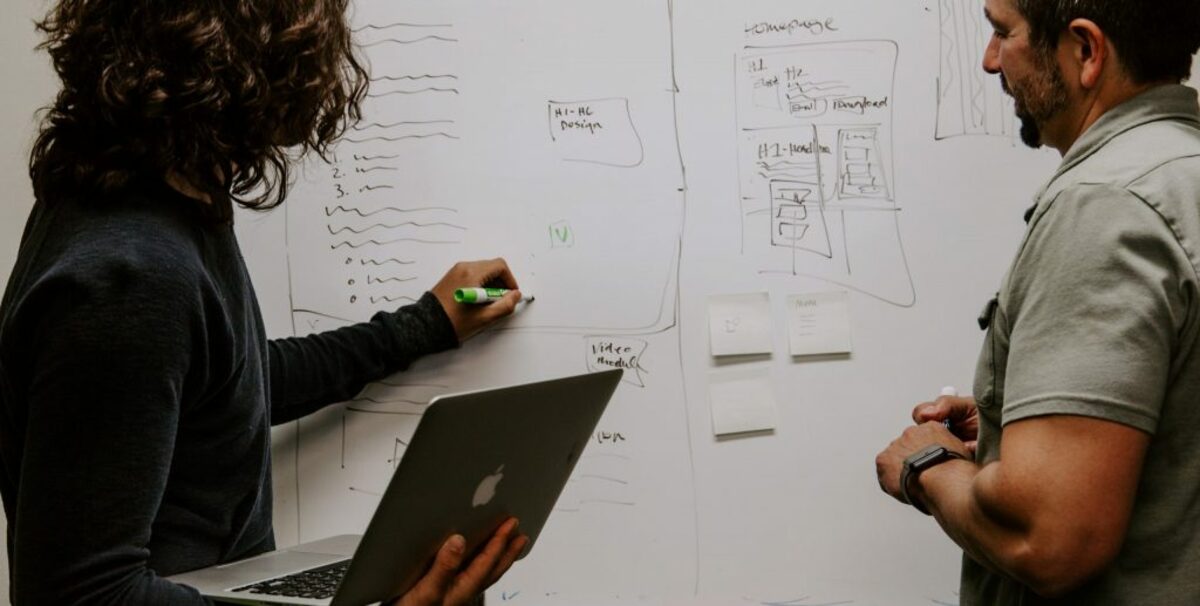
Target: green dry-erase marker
(484,295)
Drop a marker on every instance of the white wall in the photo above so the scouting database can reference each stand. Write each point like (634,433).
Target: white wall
(28,84)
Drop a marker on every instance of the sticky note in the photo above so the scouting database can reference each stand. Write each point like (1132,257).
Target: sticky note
(742,402)
(819,323)
(739,325)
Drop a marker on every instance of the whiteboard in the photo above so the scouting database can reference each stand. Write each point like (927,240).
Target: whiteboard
(630,159)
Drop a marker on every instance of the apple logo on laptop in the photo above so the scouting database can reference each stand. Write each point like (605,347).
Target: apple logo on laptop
(486,491)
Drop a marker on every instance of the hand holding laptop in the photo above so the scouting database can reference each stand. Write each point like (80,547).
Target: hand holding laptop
(449,583)
(525,441)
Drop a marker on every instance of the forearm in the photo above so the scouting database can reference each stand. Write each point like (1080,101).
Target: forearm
(951,492)
(1007,527)
(311,372)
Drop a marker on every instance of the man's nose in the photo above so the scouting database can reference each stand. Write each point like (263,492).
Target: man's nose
(991,56)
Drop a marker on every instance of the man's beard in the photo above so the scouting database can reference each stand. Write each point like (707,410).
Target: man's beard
(1031,133)
(1038,99)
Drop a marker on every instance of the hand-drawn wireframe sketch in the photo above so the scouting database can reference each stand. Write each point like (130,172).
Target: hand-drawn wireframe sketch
(398,210)
(599,131)
(451,161)
(815,152)
(970,102)
(602,478)
(362,229)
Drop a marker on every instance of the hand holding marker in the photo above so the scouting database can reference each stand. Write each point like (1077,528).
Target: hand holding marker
(484,295)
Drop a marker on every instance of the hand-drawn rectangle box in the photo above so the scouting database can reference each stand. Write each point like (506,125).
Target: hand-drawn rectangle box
(798,218)
(969,102)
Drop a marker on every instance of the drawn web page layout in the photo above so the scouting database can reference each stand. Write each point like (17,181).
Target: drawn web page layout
(816,164)
(491,130)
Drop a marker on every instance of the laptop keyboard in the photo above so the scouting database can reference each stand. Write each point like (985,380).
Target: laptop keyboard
(314,583)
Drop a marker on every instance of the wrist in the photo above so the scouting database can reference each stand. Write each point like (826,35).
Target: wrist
(435,312)
(915,467)
(931,486)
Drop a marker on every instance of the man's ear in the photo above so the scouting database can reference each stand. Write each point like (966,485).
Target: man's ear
(1090,51)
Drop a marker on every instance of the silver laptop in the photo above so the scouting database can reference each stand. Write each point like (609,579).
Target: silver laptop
(476,459)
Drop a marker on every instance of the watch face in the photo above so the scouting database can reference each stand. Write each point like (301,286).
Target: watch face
(929,455)
(924,456)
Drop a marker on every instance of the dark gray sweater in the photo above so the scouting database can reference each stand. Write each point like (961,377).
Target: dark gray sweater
(137,392)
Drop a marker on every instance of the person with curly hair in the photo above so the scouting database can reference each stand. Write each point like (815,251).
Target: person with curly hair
(137,385)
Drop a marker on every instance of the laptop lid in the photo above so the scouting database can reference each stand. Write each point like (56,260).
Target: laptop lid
(475,459)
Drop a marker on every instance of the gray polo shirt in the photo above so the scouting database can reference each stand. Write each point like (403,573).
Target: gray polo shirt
(1098,316)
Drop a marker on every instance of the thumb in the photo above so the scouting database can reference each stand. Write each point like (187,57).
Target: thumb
(930,411)
(505,306)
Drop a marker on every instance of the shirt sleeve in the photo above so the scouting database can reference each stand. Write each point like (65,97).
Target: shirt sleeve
(1098,299)
(308,373)
(109,361)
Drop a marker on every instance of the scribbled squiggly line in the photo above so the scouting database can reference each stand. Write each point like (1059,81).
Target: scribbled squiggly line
(374,280)
(395,139)
(393,226)
(413,41)
(420,77)
(372,26)
(775,165)
(420,91)
(342,209)
(820,88)
(777,174)
(349,244)
(405,123)
(392,299)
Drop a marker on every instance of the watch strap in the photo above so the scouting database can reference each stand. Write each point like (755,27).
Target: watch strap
(918,462)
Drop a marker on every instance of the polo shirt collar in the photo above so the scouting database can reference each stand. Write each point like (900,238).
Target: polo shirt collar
(1168,102)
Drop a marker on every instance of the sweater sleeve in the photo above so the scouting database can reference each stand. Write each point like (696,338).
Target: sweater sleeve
(308,373)
(109,360)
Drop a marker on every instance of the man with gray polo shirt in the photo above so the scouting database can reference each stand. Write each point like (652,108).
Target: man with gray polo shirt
(1073,474)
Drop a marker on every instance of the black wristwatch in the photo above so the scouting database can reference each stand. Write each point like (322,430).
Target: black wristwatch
(920,461)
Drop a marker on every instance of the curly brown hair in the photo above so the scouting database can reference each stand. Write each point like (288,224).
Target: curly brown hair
(222,93)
